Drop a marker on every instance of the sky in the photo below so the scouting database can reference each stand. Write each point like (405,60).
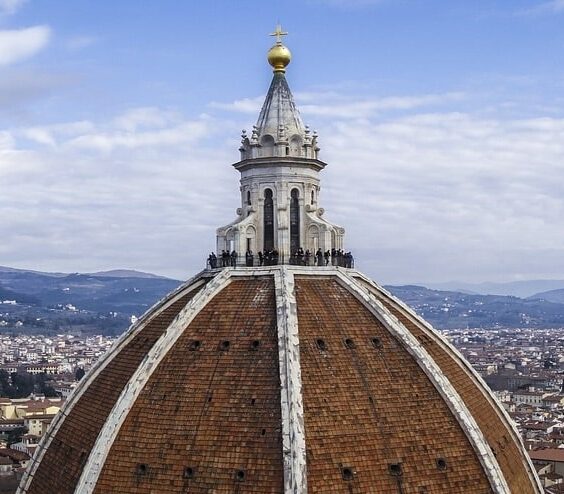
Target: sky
(442,124)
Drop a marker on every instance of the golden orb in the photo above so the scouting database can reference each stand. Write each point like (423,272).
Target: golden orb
(279,57)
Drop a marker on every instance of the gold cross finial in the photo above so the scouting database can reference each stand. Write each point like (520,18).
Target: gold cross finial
(279,33)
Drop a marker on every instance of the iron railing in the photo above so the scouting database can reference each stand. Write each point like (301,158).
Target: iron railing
(253,260)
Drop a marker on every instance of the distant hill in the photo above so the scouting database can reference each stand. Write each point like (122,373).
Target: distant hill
(99,302)
(126,273)
(556,296)
(451,309)
(6,269)
(521,289)
(114,273)
(36,302)
(21,298)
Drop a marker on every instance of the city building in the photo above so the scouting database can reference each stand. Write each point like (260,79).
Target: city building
(288,371)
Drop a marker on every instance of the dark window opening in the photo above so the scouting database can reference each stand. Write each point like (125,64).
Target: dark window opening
(224,345)
(287,150)
(349,343)
(141,469)
(255,344)
(312,197)
(294,221)
(189,473)
(253,400)
(240,475)
(268,220)
(263,432)
(248,198)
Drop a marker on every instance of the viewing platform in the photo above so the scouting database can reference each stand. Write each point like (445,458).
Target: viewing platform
(232,260)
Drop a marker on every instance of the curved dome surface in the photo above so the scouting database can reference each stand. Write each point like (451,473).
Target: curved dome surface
(281,379)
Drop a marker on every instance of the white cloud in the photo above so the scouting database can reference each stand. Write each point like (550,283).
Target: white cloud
(151,185)
(39,135)
(449,195)
(246,105)
(330,103)
(6,141)
(20,44)
(106,142)
(50,135)
(367,107)
(8,7)
(22,86)
(145,117)
(556,5)
(552,6)
(424,195)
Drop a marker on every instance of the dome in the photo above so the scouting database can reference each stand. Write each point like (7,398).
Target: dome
(281,379)
(284,372)
(279,57)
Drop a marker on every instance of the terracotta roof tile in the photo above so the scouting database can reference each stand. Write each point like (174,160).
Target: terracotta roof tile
(212,411)
(375,403)
(494,428)
(60,469)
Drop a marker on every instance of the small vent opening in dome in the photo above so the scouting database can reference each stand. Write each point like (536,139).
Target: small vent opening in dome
(189,473)
(395,469)
(240,475)
(349,343)
(376,342)
(224,345)
(321,344)
(141,469)
(263,432)
(195,345)
(255,344)
(441,464)
(347,473)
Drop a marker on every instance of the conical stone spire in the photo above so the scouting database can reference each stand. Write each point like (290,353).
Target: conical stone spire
(279,117)
(280,130)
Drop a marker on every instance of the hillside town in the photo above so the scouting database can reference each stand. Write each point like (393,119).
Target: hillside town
(525,370)
(523,367)
(37,374)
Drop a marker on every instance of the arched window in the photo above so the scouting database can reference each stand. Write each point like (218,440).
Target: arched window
(295,221)
(248,197)
(251,235)
(295,145)
(312,197)
(313,241)
(268,220)
(267,145)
